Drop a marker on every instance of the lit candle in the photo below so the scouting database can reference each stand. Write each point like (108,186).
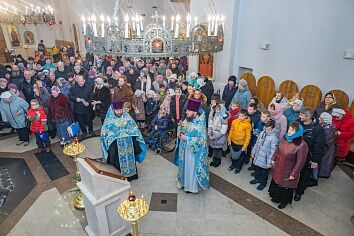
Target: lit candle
(195,21)
(164,22)
(83,23)
(177,26)
(126,19)
(209,25)
(172,20)
(216,25)
(93,18)
(188,29)
(141,23)
(102,25)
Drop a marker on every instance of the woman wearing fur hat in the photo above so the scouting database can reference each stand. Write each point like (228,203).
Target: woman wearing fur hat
(327,105)
(243,94)
(345,132)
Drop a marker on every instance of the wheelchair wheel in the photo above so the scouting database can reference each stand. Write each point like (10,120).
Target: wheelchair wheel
(168,142)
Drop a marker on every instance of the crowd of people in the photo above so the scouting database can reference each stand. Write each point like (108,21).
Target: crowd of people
(152,95)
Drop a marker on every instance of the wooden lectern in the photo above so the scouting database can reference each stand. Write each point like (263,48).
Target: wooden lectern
(103,188)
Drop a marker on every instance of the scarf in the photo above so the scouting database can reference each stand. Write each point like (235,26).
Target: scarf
(177,107)
(297,134)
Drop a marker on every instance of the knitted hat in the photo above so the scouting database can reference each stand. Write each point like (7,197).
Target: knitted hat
(61,79)
(243,83)
(144,71)
(337,112)
(56,89)
(299,103)
(121,69)
(117,104)
(5,94)
(12,86)
(193,105)
(326,117)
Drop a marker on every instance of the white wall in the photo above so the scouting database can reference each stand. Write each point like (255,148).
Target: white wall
(307,41)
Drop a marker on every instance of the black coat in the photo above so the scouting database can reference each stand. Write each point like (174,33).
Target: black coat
(315,138)
(84,92)
(104,96)
(228,94)
(27,89)
(208,90)
(61,74)
(182,101)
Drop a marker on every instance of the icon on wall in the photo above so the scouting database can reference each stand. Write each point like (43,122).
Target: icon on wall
(29,39)
(13,35)
(206,62)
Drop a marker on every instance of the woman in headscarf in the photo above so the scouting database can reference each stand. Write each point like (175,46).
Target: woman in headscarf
(327,105)
(167,101)
(288,161)
(276,113)
(243,94)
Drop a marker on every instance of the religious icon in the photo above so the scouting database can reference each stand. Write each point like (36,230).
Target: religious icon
(29,39)
(13,35)
(206,62)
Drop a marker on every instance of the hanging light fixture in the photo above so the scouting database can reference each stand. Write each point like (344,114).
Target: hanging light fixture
(181,36)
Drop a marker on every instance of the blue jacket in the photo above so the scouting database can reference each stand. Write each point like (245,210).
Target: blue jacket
(264,149)
(243,97)
(162,122)
(9,111)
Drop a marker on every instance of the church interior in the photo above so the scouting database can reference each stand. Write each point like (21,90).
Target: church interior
(60,173)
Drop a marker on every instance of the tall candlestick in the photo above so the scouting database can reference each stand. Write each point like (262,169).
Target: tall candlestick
(188,28)
(172,20)
(209,25)
(177,25)
(126,18)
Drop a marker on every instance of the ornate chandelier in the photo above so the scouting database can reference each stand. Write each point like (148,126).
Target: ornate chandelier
(27,14)
(159,38)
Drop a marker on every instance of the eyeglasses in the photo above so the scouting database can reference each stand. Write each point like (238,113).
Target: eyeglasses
(330,97)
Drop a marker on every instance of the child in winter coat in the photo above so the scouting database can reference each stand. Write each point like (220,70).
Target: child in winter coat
(327,162)
(217,132)
(139,101)
(38,119)
(234,111)
(262,154)
(239,139)
(158,128)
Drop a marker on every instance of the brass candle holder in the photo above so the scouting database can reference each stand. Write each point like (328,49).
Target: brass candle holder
(74,149)
(132,210)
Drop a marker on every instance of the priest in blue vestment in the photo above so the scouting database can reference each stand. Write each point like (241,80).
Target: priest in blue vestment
(191,150)
(121,141)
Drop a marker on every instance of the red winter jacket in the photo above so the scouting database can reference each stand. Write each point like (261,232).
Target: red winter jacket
(233,116)
(346,127)
(38,119)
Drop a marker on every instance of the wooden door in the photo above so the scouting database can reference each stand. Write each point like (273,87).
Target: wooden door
(312,96)
(289,88)
(251,81)
(341,98)
(265,89)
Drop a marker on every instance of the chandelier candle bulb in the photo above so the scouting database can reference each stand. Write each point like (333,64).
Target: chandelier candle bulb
(133,19)
(109,20)
(172,20)
(102,25)
(209,25)
(216,25)
(137,29)
(93,18)
(177,26)
(83,25)
(188,25)
(164,22)
(126,18)
(116,21)
(222,19)
(141,24)
(195,21)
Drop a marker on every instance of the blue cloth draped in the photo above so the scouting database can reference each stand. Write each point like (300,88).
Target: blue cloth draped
(121,129)
(197,143)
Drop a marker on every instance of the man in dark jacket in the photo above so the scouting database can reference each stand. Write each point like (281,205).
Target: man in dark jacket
(315,138)
(229,91)
(61,72)
(207,89)
(26,86)
(177,99)
(81,96)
